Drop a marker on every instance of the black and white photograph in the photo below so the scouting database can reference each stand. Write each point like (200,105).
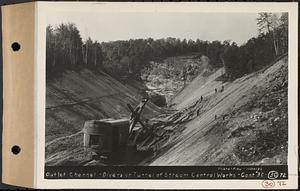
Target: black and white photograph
(166,89)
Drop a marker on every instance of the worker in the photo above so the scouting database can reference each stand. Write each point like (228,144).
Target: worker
(222,89)
(201,98)
(215,117)
(216,90)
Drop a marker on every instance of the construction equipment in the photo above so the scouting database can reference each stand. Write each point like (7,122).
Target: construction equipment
(105,136)
(136,114)
(110,135)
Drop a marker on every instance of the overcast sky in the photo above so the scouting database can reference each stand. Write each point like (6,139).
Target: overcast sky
(238,27)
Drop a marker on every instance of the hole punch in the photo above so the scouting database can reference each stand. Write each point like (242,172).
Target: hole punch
(16,46)
(15,149)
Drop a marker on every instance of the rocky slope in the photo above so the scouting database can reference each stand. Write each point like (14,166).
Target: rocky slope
(246,123)
(171,75)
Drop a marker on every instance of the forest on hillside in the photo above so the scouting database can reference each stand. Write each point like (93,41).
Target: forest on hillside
(66,50)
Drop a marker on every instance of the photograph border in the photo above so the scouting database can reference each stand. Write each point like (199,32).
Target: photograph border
(44,9)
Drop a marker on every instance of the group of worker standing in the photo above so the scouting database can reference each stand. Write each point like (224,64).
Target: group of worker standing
(201,98)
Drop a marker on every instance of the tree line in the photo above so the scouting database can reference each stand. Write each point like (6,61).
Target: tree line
(260,51)
(66,50)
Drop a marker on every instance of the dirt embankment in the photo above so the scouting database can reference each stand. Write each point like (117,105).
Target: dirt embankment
(246,123)
(77,97)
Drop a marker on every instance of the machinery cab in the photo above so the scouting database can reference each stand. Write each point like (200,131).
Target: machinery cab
(106,135)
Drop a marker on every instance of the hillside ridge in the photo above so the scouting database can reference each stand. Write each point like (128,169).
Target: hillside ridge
(242,112)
